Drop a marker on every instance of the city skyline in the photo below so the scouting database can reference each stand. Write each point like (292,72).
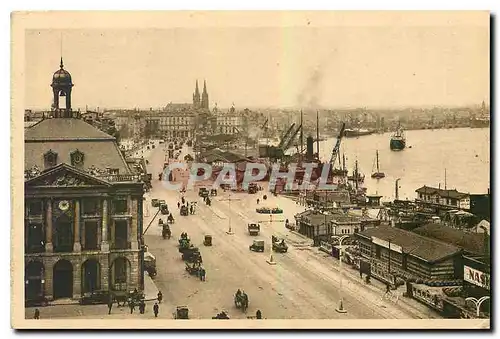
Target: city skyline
(265,66)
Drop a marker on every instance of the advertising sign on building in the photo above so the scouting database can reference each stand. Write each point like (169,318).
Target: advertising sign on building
(476,277)
(386,244)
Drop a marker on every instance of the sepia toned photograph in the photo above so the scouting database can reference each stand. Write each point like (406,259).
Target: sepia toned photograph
(270,169)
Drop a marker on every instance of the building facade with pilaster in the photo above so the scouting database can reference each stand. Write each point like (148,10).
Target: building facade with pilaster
(83,207)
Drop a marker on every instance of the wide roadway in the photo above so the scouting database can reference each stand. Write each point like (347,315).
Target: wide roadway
(304,283)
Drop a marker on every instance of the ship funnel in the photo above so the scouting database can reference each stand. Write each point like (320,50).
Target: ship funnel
(310,148)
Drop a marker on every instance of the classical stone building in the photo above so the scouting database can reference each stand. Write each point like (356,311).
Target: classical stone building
(83,207)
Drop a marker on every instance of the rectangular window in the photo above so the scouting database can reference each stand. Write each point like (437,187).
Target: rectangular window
(121,234)
(91,206)
(35,239)
(35,208)
(91,229)
(120,206)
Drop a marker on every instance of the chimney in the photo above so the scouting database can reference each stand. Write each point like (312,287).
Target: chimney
(310,148)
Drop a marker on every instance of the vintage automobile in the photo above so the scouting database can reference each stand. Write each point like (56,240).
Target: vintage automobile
(184,211)
(164,209)
(253,229)
(208,240)
(252,188)
(182,312)
(203,192)
(155,202)
(257,246)
(213,192)
(280,246)
(150,263)
(263,210)
(161,202)
(276,210)
(94,297)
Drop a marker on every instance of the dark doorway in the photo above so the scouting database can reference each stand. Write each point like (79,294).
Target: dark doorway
(33,284)
(91,230)
(119,273)
(63,234)
(91,275)
(63,279)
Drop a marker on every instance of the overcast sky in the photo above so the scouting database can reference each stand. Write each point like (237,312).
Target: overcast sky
(338,66)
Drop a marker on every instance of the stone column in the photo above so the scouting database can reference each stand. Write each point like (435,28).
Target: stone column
(104,227)
(77,280)
(48,228)
(133,225)
(135,271)
(104,263)
(77,246)
(48,279)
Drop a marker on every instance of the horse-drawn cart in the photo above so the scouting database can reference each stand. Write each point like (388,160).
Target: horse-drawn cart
(191,255)
(241,301)
(193,268)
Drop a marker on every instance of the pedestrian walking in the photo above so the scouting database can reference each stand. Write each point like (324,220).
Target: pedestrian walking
(37,314)
(142,307)
(178,204)
(131,305)
(160,296)
(110,306)
(183,200)
(258,201)
(202,274)
(156,309)
(360,274)
(258,314)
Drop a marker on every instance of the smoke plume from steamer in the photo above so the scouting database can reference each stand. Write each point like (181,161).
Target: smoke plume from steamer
(310,96)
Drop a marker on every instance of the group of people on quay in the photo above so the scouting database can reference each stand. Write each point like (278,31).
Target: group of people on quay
(136,299)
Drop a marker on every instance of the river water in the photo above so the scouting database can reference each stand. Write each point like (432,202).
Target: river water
(463,152)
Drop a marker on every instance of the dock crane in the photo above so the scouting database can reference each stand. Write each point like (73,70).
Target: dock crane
(264,125)
(285,137)
(335,150)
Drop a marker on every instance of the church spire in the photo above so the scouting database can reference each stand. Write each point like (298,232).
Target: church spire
(204,96)
(196,96)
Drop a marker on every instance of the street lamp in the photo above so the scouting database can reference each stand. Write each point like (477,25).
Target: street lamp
(341,308)
(477,302)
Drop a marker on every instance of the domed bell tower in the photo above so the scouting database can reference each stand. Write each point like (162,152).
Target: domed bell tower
(61,88)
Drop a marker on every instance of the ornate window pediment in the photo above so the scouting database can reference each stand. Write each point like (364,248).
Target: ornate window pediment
(77,158)
(50,158)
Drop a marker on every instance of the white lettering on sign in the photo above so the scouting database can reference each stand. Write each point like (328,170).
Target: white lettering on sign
(476,277)
(386,244)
